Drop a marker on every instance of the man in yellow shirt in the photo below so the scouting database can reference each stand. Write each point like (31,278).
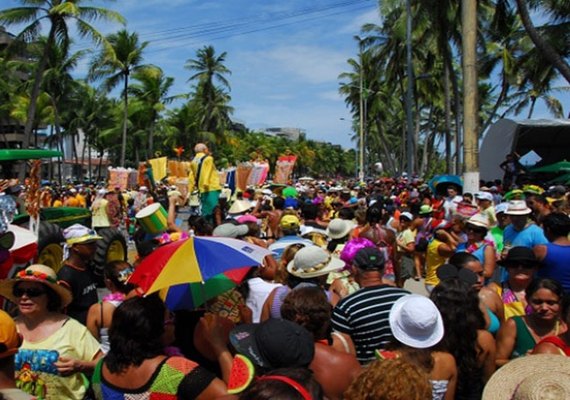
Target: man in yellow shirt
(204,177)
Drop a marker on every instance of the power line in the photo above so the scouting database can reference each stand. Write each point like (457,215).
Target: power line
(229,28)
(185,39)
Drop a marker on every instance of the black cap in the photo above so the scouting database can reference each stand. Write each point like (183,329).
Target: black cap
(275,343)
(369,259)
(520,255)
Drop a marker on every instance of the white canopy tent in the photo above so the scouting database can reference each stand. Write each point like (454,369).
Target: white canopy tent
(549,139)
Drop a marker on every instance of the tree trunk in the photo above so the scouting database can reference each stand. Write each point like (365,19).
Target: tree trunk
(83,156)
(390,163)
(125,121)
(447,121)
(542,45)
(470,91)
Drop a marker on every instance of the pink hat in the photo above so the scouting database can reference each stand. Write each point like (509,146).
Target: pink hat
(242,219)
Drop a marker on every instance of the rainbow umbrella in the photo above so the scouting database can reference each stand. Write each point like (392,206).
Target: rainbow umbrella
(206,261)
(188,296)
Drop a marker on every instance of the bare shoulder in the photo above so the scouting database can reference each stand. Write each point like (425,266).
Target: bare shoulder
(485,339)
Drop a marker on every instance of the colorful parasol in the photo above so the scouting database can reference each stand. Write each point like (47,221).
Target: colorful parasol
(188,296)
(196,260)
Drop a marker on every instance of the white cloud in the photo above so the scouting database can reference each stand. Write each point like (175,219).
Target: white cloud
(311,64)
(355,25)
(331,95)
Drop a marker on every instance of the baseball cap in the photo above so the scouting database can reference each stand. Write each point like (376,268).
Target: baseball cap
(484,196)
(369,259)
(407,215)
(289,222)
(10,340)
(275,343)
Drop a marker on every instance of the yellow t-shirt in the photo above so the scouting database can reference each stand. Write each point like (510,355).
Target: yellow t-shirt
(433,262)
(34,362)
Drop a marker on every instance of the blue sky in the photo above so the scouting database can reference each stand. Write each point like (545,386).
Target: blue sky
(285,74)
(285,56)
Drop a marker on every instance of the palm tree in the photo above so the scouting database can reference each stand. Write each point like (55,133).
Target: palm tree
(57,13)
(115,63)
(152,89)
(210,89)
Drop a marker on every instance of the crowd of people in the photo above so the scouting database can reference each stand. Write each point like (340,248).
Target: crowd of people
(330,315)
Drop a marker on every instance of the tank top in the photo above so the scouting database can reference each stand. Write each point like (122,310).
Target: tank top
(104,331)
(433,261)
(524,341)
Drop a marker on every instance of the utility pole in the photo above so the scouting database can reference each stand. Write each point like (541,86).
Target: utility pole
(470,97)
(410,147)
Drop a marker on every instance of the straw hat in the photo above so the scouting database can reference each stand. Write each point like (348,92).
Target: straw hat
(36,273)
(240,206)
(479,220)
(313,261)
(518,207)
(533,377)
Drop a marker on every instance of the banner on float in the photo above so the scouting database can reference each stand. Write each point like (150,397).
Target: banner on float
(118,178)
(258,174)
(284,169)
(243,171)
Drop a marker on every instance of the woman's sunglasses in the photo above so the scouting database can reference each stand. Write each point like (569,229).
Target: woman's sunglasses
(30,292)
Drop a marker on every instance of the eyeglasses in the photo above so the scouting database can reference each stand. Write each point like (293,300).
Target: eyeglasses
(30,292)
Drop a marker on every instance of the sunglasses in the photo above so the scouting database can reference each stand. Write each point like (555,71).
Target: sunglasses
(520,265)
(475,230)
(30,292)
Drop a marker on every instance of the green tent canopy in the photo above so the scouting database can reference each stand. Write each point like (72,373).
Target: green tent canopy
(557,167)
(27,154)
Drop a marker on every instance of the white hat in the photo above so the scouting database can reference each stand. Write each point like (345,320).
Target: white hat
(407,215)
(313,261)
(416,322)
(517,207)
(102,192)
(339,228)
(230,230)
(501,208)
(484,196)
(143,189)
(479,220)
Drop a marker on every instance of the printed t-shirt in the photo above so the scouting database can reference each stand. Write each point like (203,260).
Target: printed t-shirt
(35,371)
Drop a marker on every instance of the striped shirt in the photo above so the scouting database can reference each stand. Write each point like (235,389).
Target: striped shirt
(364,316)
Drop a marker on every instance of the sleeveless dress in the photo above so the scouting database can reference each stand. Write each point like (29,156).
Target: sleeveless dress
(525,341)
(175,377)
(558,342)
(104,331)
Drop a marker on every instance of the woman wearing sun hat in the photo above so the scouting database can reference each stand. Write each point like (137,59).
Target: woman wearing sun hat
(477,244)
(417,327)
(309,267)
(57,350)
